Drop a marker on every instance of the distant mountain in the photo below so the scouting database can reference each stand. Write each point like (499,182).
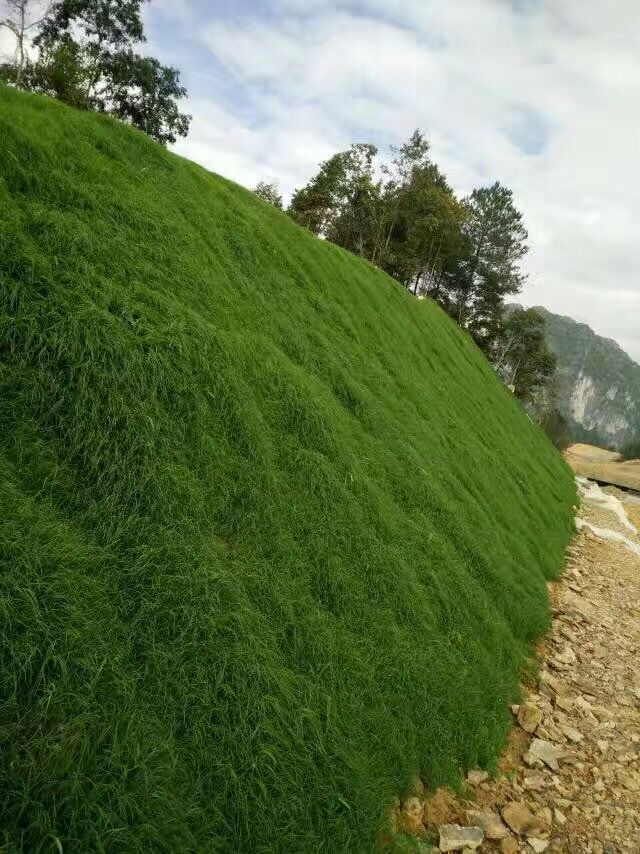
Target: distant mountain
(599,384)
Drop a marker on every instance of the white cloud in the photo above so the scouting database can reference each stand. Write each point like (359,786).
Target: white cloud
(7,43)
(541,95)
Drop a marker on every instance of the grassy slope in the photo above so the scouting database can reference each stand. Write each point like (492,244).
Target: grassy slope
(273,538)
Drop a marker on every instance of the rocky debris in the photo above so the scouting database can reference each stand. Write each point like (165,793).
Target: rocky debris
(543,751)
(529,717)
(550,685)
(571,733)
(534,781)
(522,821)
(453,837)
(539,845)
(572,764)
(490,823)
(566,657)
(546,816)
(559,817)
(476,777)
(564,703)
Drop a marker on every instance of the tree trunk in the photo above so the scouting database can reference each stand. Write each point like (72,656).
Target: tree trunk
(93,76)
(21,45)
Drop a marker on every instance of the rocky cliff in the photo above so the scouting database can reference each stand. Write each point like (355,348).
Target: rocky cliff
(598,383)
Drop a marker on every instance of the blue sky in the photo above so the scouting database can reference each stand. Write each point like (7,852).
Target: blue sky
(540,94)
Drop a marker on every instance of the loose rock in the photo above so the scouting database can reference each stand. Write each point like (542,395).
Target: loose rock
(572,734)
(546,816)
(529,717)
(535,781)
(559,817)
(453,837)
(476,777)
(490,823)
(522,821)
(545,752)
(564,702)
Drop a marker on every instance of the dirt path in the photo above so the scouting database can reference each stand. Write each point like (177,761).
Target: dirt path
(605,466)
(570,778)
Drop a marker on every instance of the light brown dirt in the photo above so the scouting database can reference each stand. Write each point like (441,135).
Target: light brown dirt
(603,466)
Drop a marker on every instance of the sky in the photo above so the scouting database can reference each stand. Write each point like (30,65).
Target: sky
(542,95)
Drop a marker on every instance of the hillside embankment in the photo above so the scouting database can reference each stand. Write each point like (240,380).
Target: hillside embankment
(569,780)
(274,539)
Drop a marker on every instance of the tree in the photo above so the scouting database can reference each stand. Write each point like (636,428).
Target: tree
(342,202)
(268,191)
(555,426)
(521,356)
(86,58)
(315,205)
(60,75)
(358,204)
(143,92)
(631,450)
(20,17)
(494,243)
(422,220)
(100,28)
(464,254)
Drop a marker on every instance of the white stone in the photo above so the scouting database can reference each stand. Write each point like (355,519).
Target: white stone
(454,837)
(545,752)
(539,845)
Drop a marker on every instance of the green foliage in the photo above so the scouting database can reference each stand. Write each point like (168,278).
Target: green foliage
(103,24)
(493,244)
(274,538)
(341,202)
(86,59)
(143,93)
(422,222)
(406,222)
(631,451)
(464,254)
(268,191)
(59,73)
(556,428)
(521,355)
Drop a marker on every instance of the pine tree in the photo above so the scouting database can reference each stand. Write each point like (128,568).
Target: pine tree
(494,243)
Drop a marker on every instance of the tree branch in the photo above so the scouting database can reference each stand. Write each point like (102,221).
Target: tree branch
(10,26)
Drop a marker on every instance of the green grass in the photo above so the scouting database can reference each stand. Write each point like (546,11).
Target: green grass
(273,537)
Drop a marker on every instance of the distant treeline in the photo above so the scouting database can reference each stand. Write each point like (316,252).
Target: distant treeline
(466,254)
